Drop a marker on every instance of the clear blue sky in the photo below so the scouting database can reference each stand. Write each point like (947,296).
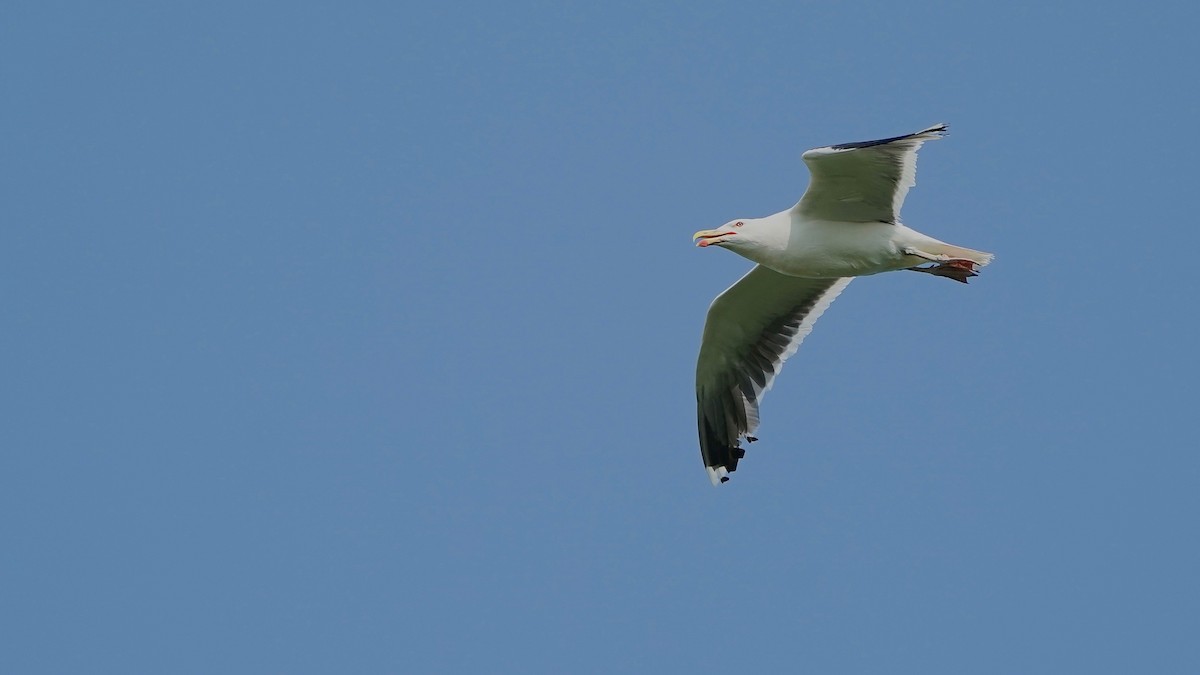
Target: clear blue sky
(360,338)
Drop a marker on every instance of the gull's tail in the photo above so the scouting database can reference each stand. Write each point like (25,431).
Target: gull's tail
(980,258)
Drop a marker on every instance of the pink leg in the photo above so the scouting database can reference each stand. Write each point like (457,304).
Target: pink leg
(958,270)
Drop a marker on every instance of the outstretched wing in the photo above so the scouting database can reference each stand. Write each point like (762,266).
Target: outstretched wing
(752,328)
(863,182)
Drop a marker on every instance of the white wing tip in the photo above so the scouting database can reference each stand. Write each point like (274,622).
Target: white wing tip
(718,474)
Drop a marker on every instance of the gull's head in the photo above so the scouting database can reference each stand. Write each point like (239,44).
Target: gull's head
(729,235)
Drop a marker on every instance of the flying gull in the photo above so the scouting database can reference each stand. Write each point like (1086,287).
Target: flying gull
(846,225)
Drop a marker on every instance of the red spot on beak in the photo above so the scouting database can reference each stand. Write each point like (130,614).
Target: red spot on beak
(712,237)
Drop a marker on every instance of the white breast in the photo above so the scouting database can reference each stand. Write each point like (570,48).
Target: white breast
(823,249)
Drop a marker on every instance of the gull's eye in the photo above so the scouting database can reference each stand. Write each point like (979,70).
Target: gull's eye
(738,224)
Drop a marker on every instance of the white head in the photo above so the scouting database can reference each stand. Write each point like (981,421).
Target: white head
(737,235)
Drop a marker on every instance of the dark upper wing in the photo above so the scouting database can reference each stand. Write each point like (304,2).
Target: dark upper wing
(752,328)
(863,182)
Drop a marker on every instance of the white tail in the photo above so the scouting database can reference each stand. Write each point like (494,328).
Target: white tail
(978,257)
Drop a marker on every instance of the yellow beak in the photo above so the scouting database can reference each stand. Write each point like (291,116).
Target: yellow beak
(707,237)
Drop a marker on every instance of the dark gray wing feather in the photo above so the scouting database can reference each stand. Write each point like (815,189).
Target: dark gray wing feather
(751,329)
(863,182)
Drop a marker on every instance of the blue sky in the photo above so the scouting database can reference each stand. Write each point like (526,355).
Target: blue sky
(361,338)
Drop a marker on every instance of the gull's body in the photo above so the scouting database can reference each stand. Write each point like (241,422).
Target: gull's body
(828,249)
(847,225)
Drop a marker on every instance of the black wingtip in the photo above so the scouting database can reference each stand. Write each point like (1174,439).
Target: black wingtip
(940,130)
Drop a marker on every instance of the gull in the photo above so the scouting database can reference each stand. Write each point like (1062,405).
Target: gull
(846,225)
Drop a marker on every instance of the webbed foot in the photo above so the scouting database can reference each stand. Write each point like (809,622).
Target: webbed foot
(958,270)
